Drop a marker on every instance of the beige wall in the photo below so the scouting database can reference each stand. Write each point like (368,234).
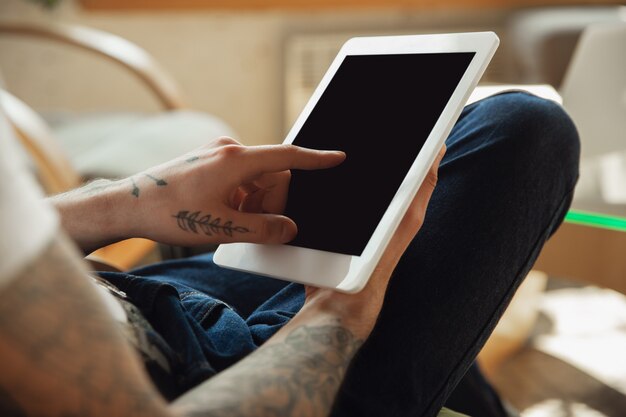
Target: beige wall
(229,64)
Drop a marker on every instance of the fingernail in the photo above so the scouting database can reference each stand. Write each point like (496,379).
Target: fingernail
(286,233)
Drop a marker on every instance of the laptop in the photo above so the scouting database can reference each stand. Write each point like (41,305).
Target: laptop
(594,88)
(594,94)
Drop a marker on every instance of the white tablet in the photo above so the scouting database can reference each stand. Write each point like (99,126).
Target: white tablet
(388,102)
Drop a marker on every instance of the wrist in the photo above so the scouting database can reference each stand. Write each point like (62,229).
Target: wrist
(356,312)
(96,214)
(116,208)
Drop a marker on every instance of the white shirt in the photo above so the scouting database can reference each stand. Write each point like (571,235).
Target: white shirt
(27,223)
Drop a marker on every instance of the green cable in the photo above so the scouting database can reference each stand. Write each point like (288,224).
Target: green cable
(603,221)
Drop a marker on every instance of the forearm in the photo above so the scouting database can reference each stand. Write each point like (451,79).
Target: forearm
(296,373)
(97,214)
(65,351)
(60,352)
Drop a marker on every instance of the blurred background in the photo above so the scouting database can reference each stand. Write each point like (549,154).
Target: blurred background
(109,87)
(252,65)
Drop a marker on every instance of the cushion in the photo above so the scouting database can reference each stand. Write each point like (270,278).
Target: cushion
(113,145)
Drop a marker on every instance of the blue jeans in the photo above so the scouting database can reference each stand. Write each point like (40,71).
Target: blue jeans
(505,185)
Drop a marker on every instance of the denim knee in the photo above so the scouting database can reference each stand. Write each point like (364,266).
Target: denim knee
(538,128)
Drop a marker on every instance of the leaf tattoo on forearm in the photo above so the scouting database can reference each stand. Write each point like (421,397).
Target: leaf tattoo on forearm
(196,223)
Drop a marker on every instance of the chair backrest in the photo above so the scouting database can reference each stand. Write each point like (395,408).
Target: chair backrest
(594,88)
(53,168)
(56,175)
(112,47)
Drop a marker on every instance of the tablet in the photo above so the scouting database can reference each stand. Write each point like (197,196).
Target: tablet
(389,103)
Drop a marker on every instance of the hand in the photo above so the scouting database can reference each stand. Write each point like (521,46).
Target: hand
(360,311)
(221,192)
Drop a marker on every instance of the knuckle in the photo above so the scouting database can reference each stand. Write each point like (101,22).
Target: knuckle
(229,151)
(416,220)
(419,219)
(289,152)
(270,231)
(225,140)
(264,230)
(289,148)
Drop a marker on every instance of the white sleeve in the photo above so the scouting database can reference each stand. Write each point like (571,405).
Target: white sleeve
(27,223)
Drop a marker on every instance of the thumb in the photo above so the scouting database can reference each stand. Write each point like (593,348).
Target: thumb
(261,228)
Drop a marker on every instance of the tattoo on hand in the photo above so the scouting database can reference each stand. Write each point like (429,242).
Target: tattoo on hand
(101,185)
(196,223)
(135,190)
(160,182)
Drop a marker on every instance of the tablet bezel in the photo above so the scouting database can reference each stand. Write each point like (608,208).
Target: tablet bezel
(349,273)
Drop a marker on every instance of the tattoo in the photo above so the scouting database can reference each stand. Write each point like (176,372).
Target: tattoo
(60,352)
(160,182)
(135,190)
(192,159)
(100,185)
(195,223)
(297,377)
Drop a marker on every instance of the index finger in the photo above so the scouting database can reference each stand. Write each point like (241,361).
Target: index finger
(276,158)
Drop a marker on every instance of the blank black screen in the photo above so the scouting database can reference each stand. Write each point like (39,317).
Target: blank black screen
(379,110)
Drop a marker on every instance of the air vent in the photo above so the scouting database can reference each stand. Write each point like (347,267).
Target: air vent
(308,56)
